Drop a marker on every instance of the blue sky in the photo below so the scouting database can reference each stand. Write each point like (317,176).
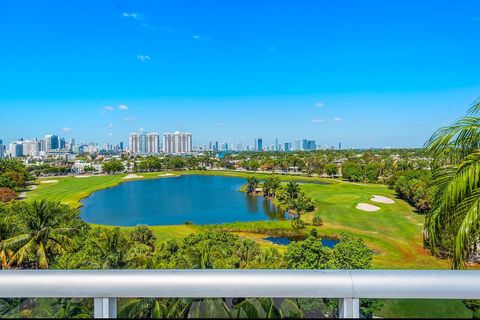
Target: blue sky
(366,73)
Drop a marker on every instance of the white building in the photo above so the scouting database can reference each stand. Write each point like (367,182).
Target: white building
(153,143)
(177,143)
(15,149)
(137,143)
(32,147)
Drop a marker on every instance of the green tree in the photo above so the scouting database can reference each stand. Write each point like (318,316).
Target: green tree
(331,169)
(47,229)
(113,166)
(456,178)
(292,190)
(252,184)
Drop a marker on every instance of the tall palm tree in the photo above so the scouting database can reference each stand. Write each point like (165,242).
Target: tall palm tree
(252,184)
(456,170)
(47,233)
(292,189)
(275,184)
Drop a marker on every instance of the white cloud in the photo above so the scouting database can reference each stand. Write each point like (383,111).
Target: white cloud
(143,58)
(129,119)
(123,107)
(141,130)
(108,108)
(337,119)
(200,37)
(134,15)
(110,134)
(67,129)
(320,104)
(318,120)
(110,125)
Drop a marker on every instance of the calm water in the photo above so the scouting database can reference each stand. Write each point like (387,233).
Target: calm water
(329,243)
(169,201)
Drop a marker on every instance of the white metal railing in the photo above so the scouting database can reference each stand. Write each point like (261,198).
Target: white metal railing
(348,286)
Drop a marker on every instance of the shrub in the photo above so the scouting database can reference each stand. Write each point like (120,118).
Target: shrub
(7,195)
(298,224)
(317,221)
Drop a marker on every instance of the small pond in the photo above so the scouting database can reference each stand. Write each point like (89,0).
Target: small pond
(330,243)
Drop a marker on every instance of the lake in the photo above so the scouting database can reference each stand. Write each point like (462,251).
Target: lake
(172,201)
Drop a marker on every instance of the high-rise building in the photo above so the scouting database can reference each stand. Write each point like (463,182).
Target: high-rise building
(311,145)
(31,147)
(16,149)
(121,146)
(138,143)
(52,142)
(153,143)
(178,143)
(3,150)
(288,146)
(259,144)
(297,145)
(277,145)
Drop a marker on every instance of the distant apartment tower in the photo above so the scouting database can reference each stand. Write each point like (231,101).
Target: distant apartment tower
(138,143)
(52,142)
(31,147)
(178,143)
(3,150)
(288,146)
(297,145)
(144,143)
(259,144)
(15,149)
(153,143)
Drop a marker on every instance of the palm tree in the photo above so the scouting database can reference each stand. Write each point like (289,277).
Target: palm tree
(275,184)
(47,233)
(293,189)
(455,215)
(252,184)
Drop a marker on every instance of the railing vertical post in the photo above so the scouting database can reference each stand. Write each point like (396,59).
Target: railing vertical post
(105,308)
(349,308)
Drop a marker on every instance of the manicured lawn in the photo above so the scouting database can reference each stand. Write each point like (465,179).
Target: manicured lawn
(429,309)
(71,190)
(394,232)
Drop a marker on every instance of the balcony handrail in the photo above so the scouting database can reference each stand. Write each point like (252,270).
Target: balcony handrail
(349,286)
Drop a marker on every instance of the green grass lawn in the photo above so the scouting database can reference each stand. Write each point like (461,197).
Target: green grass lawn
(394,232)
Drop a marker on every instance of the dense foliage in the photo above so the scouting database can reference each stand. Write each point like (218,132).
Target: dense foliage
(415,187)
(40,235)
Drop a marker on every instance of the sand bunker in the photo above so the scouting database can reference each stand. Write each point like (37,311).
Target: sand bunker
(49,181)
(381,199)
(166,175)
(79,177)
(132,176)
(367,207)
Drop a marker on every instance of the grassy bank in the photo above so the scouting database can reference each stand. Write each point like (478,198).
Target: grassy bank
(394,232)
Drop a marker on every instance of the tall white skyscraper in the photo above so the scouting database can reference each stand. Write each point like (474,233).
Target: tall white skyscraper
(177,143)
(144,143)
(138,143)
(153,143)
(31,147)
